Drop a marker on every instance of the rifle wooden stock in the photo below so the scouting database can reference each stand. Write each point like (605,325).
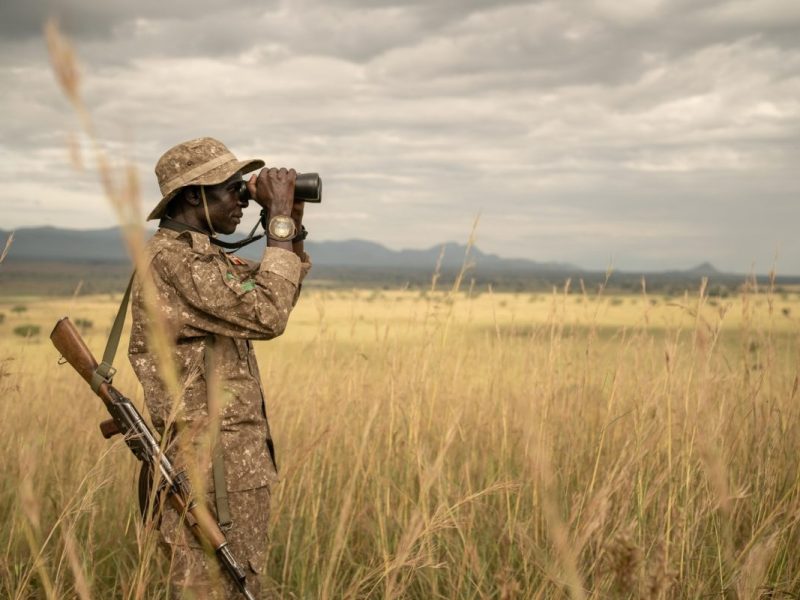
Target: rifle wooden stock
(73,349)
(70,344)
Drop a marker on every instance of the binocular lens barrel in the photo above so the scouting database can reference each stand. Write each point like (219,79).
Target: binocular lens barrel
(308,187)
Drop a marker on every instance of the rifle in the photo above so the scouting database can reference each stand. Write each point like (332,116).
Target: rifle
(127,420)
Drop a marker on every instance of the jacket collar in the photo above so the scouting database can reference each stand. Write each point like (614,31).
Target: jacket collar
(200,241)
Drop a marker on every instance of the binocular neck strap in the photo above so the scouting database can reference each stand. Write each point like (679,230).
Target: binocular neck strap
(172,224)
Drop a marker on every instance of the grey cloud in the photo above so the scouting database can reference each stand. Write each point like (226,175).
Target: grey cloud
(90,19)
(357,31)
(578,130)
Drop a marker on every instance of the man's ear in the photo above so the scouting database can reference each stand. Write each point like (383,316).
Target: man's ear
(192,195)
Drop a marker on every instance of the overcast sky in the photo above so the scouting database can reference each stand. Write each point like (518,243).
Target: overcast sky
(643,133)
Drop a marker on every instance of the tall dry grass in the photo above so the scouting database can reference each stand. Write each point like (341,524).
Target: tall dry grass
(454,447)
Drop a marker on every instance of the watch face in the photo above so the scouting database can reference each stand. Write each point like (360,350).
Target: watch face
(282,228)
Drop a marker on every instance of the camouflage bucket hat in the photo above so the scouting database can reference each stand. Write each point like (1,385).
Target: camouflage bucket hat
(202,161)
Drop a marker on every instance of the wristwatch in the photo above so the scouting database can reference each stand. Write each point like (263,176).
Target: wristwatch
(281,228)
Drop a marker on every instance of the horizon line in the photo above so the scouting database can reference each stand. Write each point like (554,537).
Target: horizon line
(570,266)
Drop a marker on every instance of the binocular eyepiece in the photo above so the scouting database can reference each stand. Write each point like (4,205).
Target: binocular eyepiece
(307,188)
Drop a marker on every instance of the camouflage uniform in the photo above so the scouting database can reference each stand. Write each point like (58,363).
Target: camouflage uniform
(213,303)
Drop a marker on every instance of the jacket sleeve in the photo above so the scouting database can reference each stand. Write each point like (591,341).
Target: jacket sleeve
(305,267)
(213,299)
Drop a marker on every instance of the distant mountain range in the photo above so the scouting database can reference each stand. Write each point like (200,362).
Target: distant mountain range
(52,261)
(105,245)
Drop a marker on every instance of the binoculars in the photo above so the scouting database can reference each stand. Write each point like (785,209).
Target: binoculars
(307,188)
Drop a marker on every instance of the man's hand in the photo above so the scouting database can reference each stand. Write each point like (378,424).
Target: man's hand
(273,189)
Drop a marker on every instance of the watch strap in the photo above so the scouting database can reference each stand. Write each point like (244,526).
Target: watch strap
(301,235)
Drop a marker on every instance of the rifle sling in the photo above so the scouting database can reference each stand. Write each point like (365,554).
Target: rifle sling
(217,459)
(104,372)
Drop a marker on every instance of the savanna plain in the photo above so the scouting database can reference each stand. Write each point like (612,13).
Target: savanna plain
(443,444)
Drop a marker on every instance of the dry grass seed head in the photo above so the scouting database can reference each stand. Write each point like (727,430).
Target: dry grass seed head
(660,578)
(65,65)
(624,561)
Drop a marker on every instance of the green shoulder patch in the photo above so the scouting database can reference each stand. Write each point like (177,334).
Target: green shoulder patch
(248,285)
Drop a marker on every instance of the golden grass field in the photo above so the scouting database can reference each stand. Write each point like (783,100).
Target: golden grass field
(451,446)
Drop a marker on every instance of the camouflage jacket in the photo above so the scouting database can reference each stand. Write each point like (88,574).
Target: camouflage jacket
(213,305)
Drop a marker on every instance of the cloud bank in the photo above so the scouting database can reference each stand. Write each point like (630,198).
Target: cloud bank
(650,134)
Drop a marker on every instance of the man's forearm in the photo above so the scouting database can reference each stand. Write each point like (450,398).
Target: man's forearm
(282,245)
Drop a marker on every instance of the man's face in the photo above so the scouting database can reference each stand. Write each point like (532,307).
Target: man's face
(225,206)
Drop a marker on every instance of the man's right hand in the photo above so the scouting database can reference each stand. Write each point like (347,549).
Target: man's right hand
(273,189)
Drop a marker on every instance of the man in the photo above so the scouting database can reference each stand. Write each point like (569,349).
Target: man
(205,306)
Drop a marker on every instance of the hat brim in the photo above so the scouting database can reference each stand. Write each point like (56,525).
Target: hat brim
(212,177)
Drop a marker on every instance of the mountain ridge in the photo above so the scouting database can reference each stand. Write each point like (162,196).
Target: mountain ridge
(49,243)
